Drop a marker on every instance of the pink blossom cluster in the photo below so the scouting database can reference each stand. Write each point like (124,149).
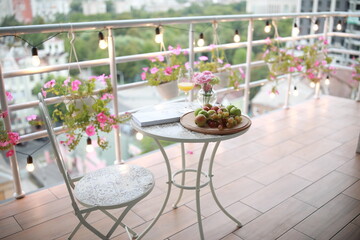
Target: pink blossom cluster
(12,138)
(203,77)
(103,122)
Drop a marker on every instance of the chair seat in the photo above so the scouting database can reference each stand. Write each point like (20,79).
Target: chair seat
(114,186)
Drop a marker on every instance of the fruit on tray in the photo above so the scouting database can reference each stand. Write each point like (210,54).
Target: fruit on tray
(217,116)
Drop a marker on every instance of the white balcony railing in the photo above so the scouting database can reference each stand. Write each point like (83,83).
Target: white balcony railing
(112,60)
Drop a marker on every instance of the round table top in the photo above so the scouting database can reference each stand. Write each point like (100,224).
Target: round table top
(175,132)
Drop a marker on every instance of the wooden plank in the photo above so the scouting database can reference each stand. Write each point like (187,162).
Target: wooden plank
(325,189)
(275,193)
(352,167)
(322,147)
(350,232)
(219,225)
(9,226)
(17,206)
(320,167)
(227,195)
(277,221)
(354,190)
(231,237)
(331,218)
(292,234)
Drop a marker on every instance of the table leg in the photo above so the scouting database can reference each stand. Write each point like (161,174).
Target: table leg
(198,177)
(169,183)
(213,189)
(175,205)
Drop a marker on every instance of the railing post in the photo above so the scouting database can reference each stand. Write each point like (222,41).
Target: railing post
(191,56)
(113,72)
(248,67)
(358,94)
(331,19)
(287,94)
(19,193)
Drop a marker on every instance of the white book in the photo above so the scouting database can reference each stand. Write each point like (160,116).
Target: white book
(161,114)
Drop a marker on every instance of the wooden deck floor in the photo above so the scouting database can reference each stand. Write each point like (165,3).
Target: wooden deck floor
(294,175)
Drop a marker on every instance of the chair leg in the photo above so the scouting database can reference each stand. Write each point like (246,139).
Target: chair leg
(77,227)
(91,228)
(133,233)
(117,223)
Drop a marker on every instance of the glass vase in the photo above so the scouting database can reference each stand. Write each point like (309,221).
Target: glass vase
(206,97)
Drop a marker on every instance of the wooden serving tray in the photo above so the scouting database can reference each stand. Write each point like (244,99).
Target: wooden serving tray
(188,121)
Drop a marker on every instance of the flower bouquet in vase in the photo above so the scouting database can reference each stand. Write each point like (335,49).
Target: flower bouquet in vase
(206,80)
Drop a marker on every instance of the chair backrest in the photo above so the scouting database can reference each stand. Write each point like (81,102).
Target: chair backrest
(55,144)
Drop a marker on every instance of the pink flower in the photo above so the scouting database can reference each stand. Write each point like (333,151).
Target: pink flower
(317,63)
(152,59)
(154,70)
(43,92)
(9,96)
(212,46)
(323,62)
(207,87)
(143,76)
(4,114)
(292,69)
(321,38)
(265,53)
(189,152)
(107,96)
(227,65)
(267,41)
(299,68)
(326,42)
(50,84)
(4,144)
(175,66)
(160,58)
(66,82)
(299,47)
(220,61)
(203,58)
(9,153)
(101,117)
(187,65)
(168,71)
(14,137)
(31,117)
(101,78)
(145,69)
(311,75)
(176,50)
(90,130)
(242,73)
(75,85)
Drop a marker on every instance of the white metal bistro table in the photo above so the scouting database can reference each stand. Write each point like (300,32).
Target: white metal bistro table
(175,132)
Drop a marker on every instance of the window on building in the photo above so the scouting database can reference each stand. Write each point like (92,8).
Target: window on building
(357,6)
(31,78)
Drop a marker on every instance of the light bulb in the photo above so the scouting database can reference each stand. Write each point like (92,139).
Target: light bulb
(102,43)
(35,58)
(89,146)
(295,30)
(201,41)
(267,27)
(327,81)
(30,166)
(339,26)
(312,84)
(272,95)
(158,35)
(236,36)
(139,136)
(316,25)
(295,92)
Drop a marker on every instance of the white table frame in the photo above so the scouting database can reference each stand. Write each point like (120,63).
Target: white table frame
(174,132)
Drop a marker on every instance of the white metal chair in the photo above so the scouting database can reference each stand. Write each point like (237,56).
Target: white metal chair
(118,186)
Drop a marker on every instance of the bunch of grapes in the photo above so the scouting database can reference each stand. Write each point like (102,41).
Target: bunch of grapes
(218,116)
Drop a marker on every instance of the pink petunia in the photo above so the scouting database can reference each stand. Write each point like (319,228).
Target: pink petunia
(177,50)
(75,85)
(168,71)
(43,92)
(321,38)
(220,61)
(326,42)
(4,114)
(143,76)
(9,96)
(267,41)
(31,117)
(265,53)
(102,78)
(242,73)
(50,84)
(161,58)
(101,117)
(227,65)
(189,152)
(90,130)
(4,144)
(145,69)
(212,46)
(13,137)
(10,153)
(203,58)
(154,70)
(175,66)
(66,82)
(317,63)
(107,96)
(323,62)
(187,65)
(292,69)
(299,68)
(152,59)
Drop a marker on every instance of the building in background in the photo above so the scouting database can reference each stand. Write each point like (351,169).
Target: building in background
(47,9)
(352,26)
(272,6)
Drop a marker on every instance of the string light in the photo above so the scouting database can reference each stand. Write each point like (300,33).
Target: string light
(35,57)
(236,36)
(267,27)
(102,43)
(312,84)
(201,41)
(295,30)
(295,92)
(158,35)
(327,80)
(139,136)
(316,25)
(339,26)
(272,95)
(30,166)
(89,146)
